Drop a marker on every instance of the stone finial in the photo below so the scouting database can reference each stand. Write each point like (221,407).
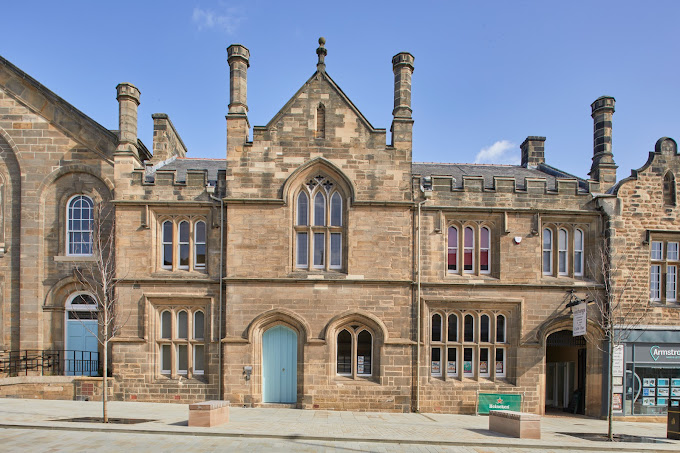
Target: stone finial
(321,53)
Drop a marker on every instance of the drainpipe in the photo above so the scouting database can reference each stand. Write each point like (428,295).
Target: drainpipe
(418,321)
(219,313)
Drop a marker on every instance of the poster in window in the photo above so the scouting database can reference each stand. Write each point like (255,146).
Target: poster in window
(616,401)
(483,367)
(467,367)
(675,382)
(436,367)
(499,367)
(648,392)
(675,391)
(662,401)
(360,364)
(451,367)
(649,382)
(662,382)
(648,401)
(617,380)
(663,391)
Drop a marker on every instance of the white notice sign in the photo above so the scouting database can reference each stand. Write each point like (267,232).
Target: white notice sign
(617,362)
(580,318)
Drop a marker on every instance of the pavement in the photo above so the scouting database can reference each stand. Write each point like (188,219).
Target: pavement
(41,425)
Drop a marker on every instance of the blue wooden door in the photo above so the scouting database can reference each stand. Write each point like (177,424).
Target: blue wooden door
(279,362)
(82,358)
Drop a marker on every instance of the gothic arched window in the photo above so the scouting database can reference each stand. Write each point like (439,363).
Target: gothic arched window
(319,242)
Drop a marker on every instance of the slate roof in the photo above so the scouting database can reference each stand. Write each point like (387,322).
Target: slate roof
(181,165)
(488,171)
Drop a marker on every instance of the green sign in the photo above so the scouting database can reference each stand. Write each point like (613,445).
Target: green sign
(498,402)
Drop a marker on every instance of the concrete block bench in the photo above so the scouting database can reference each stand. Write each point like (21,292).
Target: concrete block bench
(208,413)
(516,424)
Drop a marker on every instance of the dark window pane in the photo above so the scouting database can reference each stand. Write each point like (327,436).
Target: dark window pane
(200,255)
(344,359)
(336,249)
(302,252)
(184,232)
(303,209)
(336,210)
(182,325)
(319,249)
(184,255)
(453,328)
(182,359)
(166,324)
(364,346)
(469,332)
(436,327)
(199,230)
(199,322)
(319,210)
(484,329)
(167,231)
(166,358)
(467,354)
(500,329)
(199,357)
(167,255)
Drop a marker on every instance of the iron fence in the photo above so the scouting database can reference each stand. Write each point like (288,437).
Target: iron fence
(49,363)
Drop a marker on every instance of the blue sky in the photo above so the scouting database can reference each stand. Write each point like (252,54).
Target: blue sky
(487,73)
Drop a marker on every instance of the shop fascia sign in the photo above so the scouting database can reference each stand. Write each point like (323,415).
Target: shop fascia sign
(669,353)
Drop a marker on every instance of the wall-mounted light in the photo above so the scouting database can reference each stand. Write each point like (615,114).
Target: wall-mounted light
(247,371)
(518,239)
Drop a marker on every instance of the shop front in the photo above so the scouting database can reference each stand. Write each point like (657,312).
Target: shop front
(647,373)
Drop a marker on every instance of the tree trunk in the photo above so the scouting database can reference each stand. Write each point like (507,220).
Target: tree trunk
(610,399)
(105,388)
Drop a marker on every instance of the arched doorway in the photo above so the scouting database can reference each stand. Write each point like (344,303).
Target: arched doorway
(565,377)
(81,355)
(279,365)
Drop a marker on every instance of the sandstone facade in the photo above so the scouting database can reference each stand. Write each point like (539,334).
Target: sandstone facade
(317,265)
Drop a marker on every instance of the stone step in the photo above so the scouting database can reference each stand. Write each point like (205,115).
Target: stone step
(277,405)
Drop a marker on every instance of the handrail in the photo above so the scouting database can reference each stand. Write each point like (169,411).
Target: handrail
(49,363)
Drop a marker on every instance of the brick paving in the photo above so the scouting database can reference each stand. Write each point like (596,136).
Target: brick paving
(24,424)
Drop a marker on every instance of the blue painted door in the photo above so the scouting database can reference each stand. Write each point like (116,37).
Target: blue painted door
(82,358)
(279,362)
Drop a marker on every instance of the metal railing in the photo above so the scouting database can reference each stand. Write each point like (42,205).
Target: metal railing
(49,363)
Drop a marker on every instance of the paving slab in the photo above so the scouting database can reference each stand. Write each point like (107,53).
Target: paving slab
(327,427)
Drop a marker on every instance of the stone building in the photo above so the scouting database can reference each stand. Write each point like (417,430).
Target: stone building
(316,266)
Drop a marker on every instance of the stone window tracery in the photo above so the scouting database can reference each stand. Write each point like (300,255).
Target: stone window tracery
(563,250)
(354,351)
(475,243)
(663,274)
(319,243)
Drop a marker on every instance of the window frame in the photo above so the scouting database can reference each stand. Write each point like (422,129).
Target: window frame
(69,212)
(176,245)
(355,329)
(176,343)
(457,246)
(664,255)
(455,348)
(330,228)
(556,250)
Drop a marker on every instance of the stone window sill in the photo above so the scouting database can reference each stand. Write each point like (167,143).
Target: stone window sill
(74,258)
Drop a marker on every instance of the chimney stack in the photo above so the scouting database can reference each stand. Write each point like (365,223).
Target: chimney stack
(238,57)
(533,151)
(603,169)
(238,126)
(402,65)
(128,101)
